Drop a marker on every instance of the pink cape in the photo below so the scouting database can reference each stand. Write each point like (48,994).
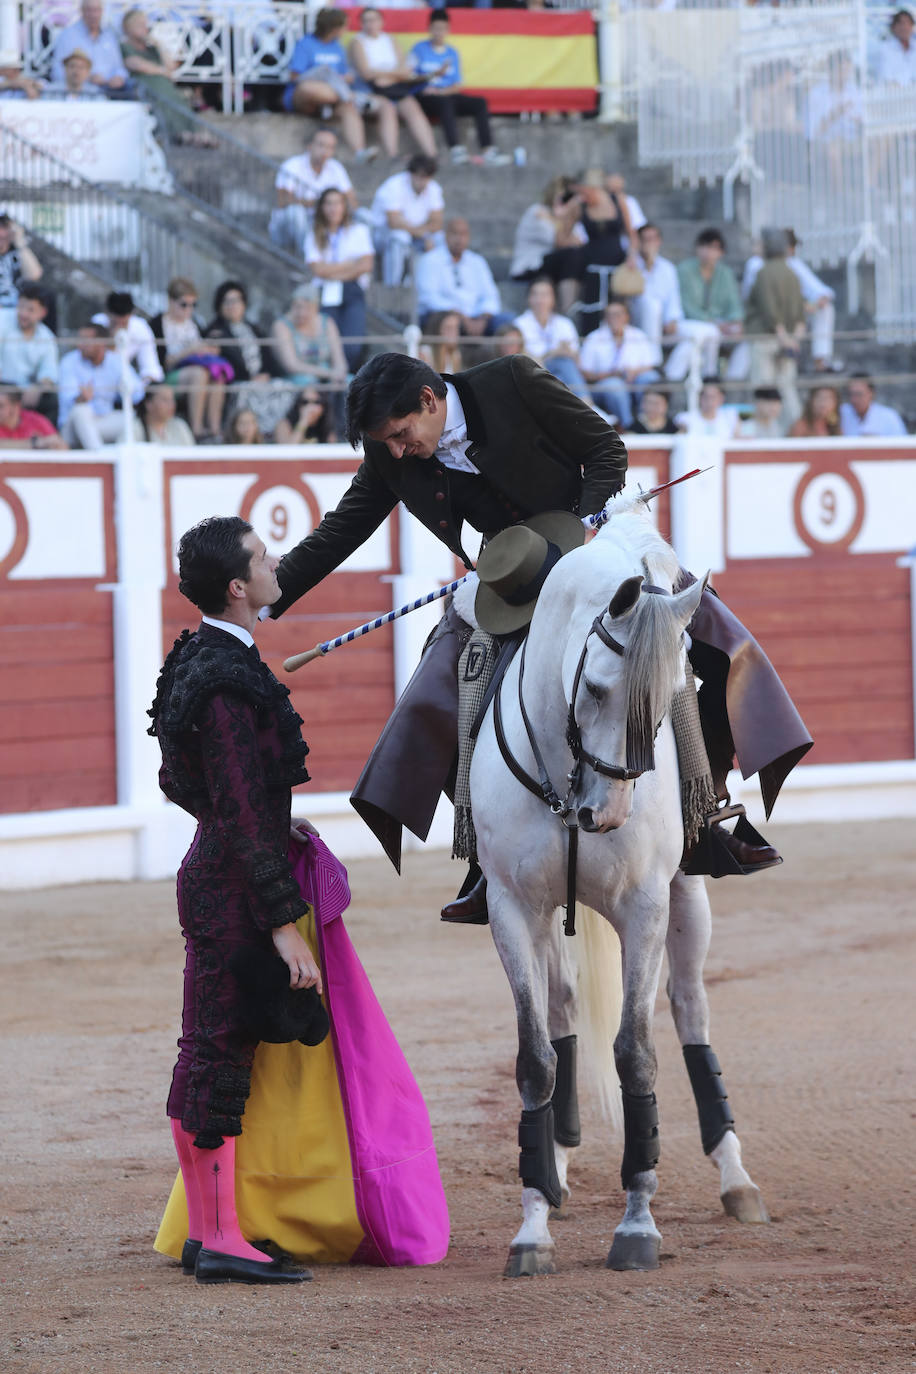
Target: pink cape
(399,1195)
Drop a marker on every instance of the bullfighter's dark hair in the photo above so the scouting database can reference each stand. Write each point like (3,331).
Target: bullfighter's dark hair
(210,555)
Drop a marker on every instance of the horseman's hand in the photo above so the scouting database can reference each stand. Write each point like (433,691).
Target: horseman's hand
(298,958)
(301,829)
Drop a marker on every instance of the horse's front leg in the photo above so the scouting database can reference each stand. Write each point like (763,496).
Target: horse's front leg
(562,1010)
(688,942)
(637,1240)
(521,935)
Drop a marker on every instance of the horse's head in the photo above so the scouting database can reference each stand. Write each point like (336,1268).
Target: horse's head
(622,684)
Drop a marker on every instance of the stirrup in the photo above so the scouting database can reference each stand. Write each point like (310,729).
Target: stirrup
(712,857)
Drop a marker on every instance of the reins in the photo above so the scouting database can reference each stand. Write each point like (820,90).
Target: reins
(542,787)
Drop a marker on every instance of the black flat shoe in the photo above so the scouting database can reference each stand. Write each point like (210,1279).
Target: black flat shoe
(469,910)
(189,1253)
(213,1267)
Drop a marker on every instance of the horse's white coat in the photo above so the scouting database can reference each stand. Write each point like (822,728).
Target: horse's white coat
(628,863)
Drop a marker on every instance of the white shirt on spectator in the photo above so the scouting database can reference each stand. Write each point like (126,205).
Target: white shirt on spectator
(299,178)
(465,285)
(141,346)
(724,425)
(397,193)
(601,353)
(812,288)
(541,339)
(105,51)
(26,361)
(349,242)
(662,285)
(897,63)
(879,421)
(453,441)
(105,380)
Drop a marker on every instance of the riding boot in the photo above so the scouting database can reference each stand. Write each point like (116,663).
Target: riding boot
(708,847)
(470,906)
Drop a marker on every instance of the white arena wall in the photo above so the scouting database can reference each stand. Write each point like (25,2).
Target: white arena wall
(807,541)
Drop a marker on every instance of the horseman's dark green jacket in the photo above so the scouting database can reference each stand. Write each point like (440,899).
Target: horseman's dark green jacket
(536,445)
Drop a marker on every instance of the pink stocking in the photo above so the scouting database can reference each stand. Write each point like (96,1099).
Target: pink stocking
(209,1175)
(183,1144)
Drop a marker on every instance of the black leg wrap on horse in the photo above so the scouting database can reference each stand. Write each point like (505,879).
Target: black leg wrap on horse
(537,1164)
(641,1146)
(566,1129)
(710,1095)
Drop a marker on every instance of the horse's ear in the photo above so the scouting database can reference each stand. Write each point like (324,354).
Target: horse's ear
(686,602)
(625,597)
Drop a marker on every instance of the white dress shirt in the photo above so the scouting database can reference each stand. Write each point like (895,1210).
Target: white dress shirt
(541,339)
(601,353)
(897,63)
(299,178)
(879,421)
(662,285)
(231,628)
(349,242)
(397,193)
(453,443)
(465,285)
(141,346)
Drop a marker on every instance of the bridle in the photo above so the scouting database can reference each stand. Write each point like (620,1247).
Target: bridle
(542,787)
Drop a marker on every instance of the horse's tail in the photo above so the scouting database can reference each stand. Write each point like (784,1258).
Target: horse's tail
(600,1007)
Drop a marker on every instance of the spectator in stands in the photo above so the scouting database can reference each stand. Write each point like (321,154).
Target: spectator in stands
(76,84)
(653,417)
(709,292)
(615,185)
(243,428)
(15,85)
(818,298)
(91,378)
(190,368)
(605,217)
(861,416)
(820,418)
(99,44)
(300,181)
(835,111)
(20,428)
(445,354)
(321,77)
(230,322)
(154,73)
(897,62)
(713,417)
(308,350)
(618,360)
(28,351)
(341,256)
(442,97)
(509,341)
(407,215)
(18,264)
(766,420)
(775,308)
(156,421)
(546,228)
(660,315)
(382,72)
(119,317)
(306,422)
(552,339)
(455,278)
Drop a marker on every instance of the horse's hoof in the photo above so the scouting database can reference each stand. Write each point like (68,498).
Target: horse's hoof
(634,1251)
(745,1204)
(526,1260)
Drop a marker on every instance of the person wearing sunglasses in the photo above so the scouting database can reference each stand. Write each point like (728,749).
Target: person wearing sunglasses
(194,369)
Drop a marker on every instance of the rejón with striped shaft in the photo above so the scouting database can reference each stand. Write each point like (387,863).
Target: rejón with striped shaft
(319,651)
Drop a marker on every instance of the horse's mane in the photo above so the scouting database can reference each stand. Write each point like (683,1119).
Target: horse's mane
(653,666)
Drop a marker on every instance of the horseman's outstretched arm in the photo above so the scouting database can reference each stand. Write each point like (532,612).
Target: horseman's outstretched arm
(579,431)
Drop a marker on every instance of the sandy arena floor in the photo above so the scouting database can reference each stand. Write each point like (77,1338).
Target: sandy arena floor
(811,980)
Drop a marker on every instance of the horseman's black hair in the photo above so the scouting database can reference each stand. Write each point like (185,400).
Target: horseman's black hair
(387,387)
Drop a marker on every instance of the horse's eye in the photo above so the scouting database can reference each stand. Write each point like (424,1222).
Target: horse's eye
(596,693)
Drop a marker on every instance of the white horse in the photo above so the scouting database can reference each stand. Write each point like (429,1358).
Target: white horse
(604,655)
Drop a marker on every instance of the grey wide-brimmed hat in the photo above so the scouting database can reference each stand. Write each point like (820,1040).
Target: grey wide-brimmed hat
(514,565)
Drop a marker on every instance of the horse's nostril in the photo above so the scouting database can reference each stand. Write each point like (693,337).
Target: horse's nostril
(587,818)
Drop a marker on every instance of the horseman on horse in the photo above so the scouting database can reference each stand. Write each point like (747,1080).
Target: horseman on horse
(498,447)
